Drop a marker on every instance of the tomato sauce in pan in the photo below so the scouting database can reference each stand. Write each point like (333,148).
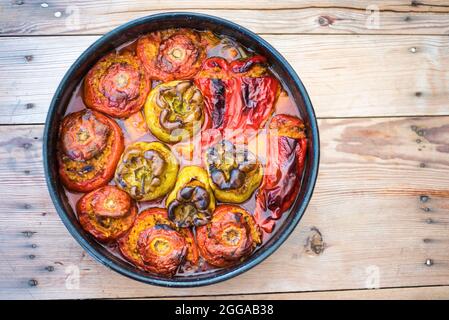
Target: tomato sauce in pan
(135,129)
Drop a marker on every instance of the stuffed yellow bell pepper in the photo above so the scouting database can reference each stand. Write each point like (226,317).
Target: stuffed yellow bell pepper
(147,170)
(234,174)
(192,202)
(174,111)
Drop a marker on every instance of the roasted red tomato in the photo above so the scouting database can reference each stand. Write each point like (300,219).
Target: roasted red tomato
(156,245)
(234,173)
(106,213)
(116,85)
(171,54)
(89,149)
(240,95)
(229,238)
(281,183)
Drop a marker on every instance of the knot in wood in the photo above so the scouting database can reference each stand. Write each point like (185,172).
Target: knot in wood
(315,244)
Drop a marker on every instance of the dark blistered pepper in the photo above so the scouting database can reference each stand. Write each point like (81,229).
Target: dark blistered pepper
(239,96)
(90,146)
(285,164)
(234,173)
(172,54)
(147,170)
(192,201)
(156,245)
(214,81)
(174,111)
(230,237)
(106,213)
(116,85)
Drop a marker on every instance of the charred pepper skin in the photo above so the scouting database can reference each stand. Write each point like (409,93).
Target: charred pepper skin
(156,245)
(147,170)
(116,85)
(192,202)
(106,213)
(89,149)
(240,95)
(285,165)
(230,237)
(174,111)
(215,82)
(234,174)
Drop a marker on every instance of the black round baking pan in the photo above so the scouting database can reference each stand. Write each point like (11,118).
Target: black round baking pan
(116,38)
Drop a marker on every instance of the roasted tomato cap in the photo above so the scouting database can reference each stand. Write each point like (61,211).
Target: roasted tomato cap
(162,249)
(106,213)
(89,149)
(230,237)
(83,136)
(116,85)
(155,244)
(111,202)
(171,54)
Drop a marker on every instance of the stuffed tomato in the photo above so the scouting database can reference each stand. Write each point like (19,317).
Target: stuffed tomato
(90,146)
(156,245)
(117,85)
(229,238)
(172,54)
(106,213)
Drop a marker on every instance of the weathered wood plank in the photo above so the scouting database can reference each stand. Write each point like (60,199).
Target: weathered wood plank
(381,205)
(87,17)
(415,293)
(346,76)
(388,5)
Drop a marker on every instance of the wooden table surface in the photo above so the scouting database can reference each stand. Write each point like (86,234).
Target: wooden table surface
(378,76)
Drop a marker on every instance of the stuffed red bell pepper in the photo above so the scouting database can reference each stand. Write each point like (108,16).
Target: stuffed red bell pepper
(285,164)
(239,95)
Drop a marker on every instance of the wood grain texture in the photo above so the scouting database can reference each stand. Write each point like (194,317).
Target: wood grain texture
(346,76)
(415,293)
(386,5)
(378,214)
(263,16)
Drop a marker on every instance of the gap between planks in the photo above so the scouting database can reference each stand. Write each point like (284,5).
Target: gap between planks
(398,293)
